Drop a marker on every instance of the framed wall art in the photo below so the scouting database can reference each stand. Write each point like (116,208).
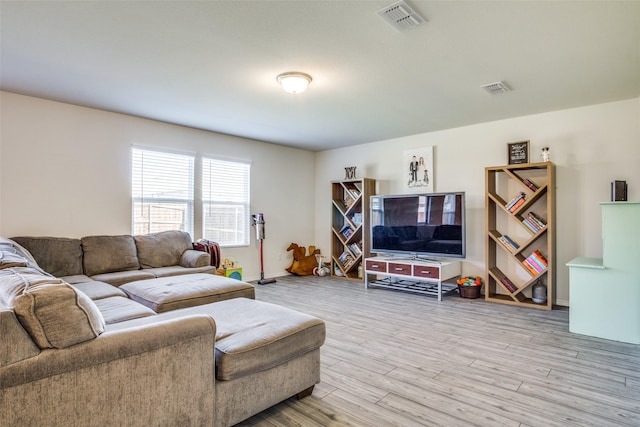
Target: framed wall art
(518,152)
(418,170)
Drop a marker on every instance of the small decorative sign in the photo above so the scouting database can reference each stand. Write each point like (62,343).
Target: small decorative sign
(350,172)
(518,152)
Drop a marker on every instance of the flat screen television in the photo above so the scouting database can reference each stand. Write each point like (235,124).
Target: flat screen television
(419,225)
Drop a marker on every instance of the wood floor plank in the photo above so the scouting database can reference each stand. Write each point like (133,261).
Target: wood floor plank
(367,413)
(595,408)
(398,359)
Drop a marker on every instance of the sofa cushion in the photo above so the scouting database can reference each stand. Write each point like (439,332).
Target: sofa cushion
(98,290)
(176,270)
(162,249)
(120,309)
(118,278)
(106,254)
(171,293)
(58,256)
(76,278)
(58,316)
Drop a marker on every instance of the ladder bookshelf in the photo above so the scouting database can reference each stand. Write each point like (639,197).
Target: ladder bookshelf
(350,227)
(520,233)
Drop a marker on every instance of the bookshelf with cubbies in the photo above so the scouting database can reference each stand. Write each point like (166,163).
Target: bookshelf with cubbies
(520,233)
(350,227)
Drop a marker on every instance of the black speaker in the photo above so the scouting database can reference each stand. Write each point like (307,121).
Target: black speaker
(619,191)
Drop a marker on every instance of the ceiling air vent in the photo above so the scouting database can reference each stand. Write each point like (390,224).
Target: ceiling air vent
(400,16)
(496,87)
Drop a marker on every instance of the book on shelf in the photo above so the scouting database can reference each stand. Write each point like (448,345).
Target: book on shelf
(508,242)
(536,263)
(346,230)
(517,205)
(346,259)
(355,249)
(348,201)
(530,184)
(538,256)
(357,218)
(515,200)
(529,268)
(531,225)
(508,284)
(536,219)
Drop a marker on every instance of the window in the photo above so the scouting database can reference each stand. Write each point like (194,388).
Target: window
(163,196)
(162,191)
(225,201)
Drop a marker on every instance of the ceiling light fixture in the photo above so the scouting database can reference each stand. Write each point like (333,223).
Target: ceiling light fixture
(294,82)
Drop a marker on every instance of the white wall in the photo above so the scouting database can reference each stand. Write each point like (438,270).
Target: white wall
(64,171)
(590,146)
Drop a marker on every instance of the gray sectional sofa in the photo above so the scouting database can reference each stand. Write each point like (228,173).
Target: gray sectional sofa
(117,259)
(153,350)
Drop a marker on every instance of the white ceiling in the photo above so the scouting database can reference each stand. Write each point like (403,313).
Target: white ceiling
(213,64)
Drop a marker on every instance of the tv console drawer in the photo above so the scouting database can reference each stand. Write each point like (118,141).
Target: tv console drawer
(426,272)
(375,266)
(396,268)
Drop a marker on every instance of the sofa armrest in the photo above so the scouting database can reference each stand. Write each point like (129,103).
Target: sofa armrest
(149,375)
(192,258)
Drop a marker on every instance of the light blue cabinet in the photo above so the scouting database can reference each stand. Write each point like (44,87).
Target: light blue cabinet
(604,294)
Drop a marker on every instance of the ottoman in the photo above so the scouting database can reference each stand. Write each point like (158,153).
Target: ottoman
(264,354)
(188,290)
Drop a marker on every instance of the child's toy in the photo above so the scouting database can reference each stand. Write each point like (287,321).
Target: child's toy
(322,269)
(303,264)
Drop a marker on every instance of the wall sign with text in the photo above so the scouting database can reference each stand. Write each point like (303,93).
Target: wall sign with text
(518,152)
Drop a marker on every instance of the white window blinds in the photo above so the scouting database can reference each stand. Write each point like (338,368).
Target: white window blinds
(162,191)
(225,201)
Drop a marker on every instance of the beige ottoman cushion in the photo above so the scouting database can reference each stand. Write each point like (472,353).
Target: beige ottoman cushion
(252,336)
(170,293)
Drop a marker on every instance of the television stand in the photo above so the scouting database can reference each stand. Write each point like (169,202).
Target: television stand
(412,275)
(412,258)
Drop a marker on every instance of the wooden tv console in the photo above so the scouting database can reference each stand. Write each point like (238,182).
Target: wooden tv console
(412,275)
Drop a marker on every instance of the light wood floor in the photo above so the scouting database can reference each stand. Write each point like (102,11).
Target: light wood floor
(399,359)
